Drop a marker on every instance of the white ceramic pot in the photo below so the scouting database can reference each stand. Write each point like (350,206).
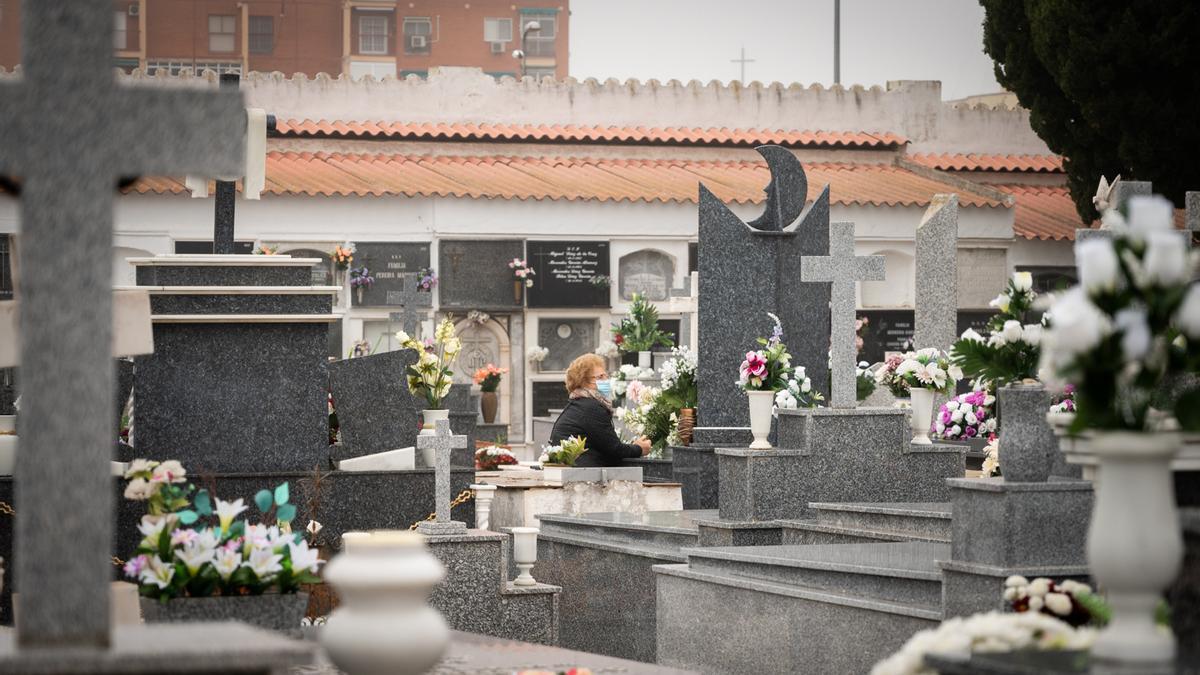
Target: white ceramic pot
(524,553)
(383,625)
(644,359)
(1134,547)
(761,405)
(430,420)
(483,505)
(922,415)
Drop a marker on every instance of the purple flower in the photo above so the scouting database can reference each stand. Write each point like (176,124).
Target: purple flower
(135,566)
(969,432)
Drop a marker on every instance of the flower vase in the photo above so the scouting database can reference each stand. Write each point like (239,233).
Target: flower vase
(645,359)
(430,420)
(1135,548)
(1027,443)
(761,405)
(488,403)
(383,624)
(922,415)
(518,286)
(687,423)
(524,553)
(358,292)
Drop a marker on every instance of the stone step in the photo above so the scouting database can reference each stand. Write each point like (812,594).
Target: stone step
(904,572)
(665,532)
(909,521)
(808,532)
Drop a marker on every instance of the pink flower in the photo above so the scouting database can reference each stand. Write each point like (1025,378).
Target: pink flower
(183,537)
(969,432)
(135,566)
(755,364)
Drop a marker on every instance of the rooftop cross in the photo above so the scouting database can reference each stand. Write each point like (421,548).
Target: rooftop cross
(69,132)
(844,269)
(742,62)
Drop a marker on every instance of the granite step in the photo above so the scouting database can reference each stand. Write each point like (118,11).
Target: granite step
(894,521)
(902,572)
(663,532)
(811,532)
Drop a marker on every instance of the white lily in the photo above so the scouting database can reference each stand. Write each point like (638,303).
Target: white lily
(226,562)
(227,511)
(157,572)
(264,562)
(303,557)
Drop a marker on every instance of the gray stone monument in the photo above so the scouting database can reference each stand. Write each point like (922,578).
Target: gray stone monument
(936,312)
(1122,190)
(442,443)
(413,301)
(1192,213)
(844,270)
(70,132)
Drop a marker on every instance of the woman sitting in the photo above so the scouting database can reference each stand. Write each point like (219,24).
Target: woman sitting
(589,415)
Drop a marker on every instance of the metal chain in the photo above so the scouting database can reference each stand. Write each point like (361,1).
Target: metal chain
(7,509)
(462,498)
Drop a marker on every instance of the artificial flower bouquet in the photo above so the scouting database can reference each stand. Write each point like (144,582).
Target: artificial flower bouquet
(966,416)
(426,280)
(929,369)
(537,354)
(1064,402)
(607,350)
(798,392)
(991,459)
(360,277)
(343,256)
(678,378)
(192,547)
(488,377)
(1069,601)
(263,249)
(625,377)
(1131,328)
(564,453)
(639,332)
(1011,351)
(493,457)
(431,376)
(886,377)
(767,369)
(522,271)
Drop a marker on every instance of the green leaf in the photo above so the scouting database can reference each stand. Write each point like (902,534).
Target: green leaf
(263,500)
(286,513)
(203,503)
(281,494)
(188,517)
(237,529)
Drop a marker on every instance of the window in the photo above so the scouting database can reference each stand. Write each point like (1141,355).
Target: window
(497,30)
(120,34)
(262,34)
(221,31)
(539,73)
(417,34)
(540,42)
(375,69)
(197,67)
(373,33)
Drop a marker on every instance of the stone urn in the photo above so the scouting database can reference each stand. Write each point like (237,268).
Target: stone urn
(1027,443)
(280,612)
(761,405)
(431,418)
(489,403)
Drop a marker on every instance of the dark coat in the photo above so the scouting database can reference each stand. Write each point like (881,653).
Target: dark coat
(589,418)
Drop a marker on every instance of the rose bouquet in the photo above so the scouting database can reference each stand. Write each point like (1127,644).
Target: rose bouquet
(929,369)
(343,256)
(1065,402)
(431,376)
(886,376)
(1069,601)
(488,377)
(639,332)
(966,416)
(565,453)
(798,392)
(767,369)
(492,457)
(522,271)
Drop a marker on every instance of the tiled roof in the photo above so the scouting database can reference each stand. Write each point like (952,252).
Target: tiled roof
(1043,212)
(1015,163)
(570,133)
(574,178)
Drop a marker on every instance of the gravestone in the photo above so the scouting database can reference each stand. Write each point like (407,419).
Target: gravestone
(388,262)
(564,273)
(442,443)
(475,274)
(749,269)
(887,330)
(566,339)
(937,275)
(844,270)
(648,273)
(376,412)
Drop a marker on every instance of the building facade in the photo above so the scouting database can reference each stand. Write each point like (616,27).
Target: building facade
(348,37)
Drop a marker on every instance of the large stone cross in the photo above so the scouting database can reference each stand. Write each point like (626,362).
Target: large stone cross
(442,443)
(411,298)
(68,133)
(844,269)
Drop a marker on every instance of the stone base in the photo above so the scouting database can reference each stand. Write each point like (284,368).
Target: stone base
(520,503)
(436,529)
(759,485)
(968,588)
(166,648)
(695,468)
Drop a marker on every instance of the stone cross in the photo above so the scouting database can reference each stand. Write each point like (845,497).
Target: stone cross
(843,268)
(936,315)
(69,131)
(442,443)
(410,299)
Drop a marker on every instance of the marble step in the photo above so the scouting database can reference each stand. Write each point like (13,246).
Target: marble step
(903,572)
(907,521)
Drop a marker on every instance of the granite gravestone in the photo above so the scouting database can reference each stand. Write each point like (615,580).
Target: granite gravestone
(887,331)
(566,339)
(476,275)
(844,270)
(937,275)
(65,122)
(566,274)
(388,262)
(750,269)
(376,412)
(648,273)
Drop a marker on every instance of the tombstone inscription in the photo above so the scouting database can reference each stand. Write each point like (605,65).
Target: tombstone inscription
(475,274)
(388,262)
(564,273)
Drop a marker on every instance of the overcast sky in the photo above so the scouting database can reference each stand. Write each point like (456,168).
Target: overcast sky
(790,41)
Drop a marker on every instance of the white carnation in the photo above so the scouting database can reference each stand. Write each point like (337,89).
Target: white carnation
(1012,331)
(1135,329)
(1059,603)
(1188,317)
(1032,333)
(1098,266)
(1149,214)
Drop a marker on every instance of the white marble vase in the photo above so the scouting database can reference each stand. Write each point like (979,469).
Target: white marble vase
(524,553)
(430,419)
(922,415)
(645,359)
(761,405)
(383,624)
(1135,548)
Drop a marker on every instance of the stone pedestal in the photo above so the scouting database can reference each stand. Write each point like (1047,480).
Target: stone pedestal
(695,466)
(1001,528)
(760,485)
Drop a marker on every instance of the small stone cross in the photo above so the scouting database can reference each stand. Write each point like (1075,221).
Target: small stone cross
(410,299)
(69,131)
(843,268)
(442,443)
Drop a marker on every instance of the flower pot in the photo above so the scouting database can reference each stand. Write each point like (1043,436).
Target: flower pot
(1027,443)
(383,624)
(524,553)
(430,419)
(488,403)
(518,287)
(761,405)
(553,472)
(644,359)
(687,422)
(922,415)
(359,293)
(274,611)
(1134,547)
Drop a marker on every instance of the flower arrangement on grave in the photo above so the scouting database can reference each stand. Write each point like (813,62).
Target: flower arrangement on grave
(864,380)
(431,377)
(1069,601)
(360,348)
(966,416)
(478,318)
(643,414)
(1012,349)
(887,377)
(601,281)
(565,453)
(360,280)
(607,350)
(263,249)
(761,374)
(929,369)
(426,280)
(522,271)
(1064,402)
(488,377)
(639,332)
(493,457)
(798,392)
(627,375)
(678,378)
(537,354)
(192,547)
(991,459)
(343,256)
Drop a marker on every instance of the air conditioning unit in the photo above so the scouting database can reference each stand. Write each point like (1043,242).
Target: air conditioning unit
(497,47)
(134,9)
(419,41)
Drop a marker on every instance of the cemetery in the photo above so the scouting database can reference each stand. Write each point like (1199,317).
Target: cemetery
(293,372)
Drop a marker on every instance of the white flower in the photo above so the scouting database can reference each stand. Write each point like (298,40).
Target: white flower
(955,430)
(1098,266)
(227,511)
(1167,262)
(157,572)
(139,490)
(953,405)
(226,562)
(971,418)
(1072,587)
(195,555)
(954,372)
(1059,603)
(1076,326)
(1001,302)
(264,562)
(970,334)
(1022,281)
(1149,214)
(956,416)
(1135,337)
(303,557)
(996,340)
(170,471)
(152,526)
(1188,317)
(1011,331)
(1031,333)
(1039,587)
(1036,603)
(140,466)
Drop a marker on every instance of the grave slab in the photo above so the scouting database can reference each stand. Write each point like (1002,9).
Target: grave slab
(376,412)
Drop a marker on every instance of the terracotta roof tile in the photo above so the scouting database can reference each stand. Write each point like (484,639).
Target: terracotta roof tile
(1043,212)
(584,134)
(573,178)
(970,162)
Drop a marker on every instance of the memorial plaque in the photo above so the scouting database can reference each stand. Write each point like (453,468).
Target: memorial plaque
(648,273)
(564,271)
(475,274)
(566,339)
(548,396)
(888,330)
(974,318)
(387,261)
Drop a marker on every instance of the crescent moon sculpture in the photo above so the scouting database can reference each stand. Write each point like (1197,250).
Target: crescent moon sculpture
(787,191)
